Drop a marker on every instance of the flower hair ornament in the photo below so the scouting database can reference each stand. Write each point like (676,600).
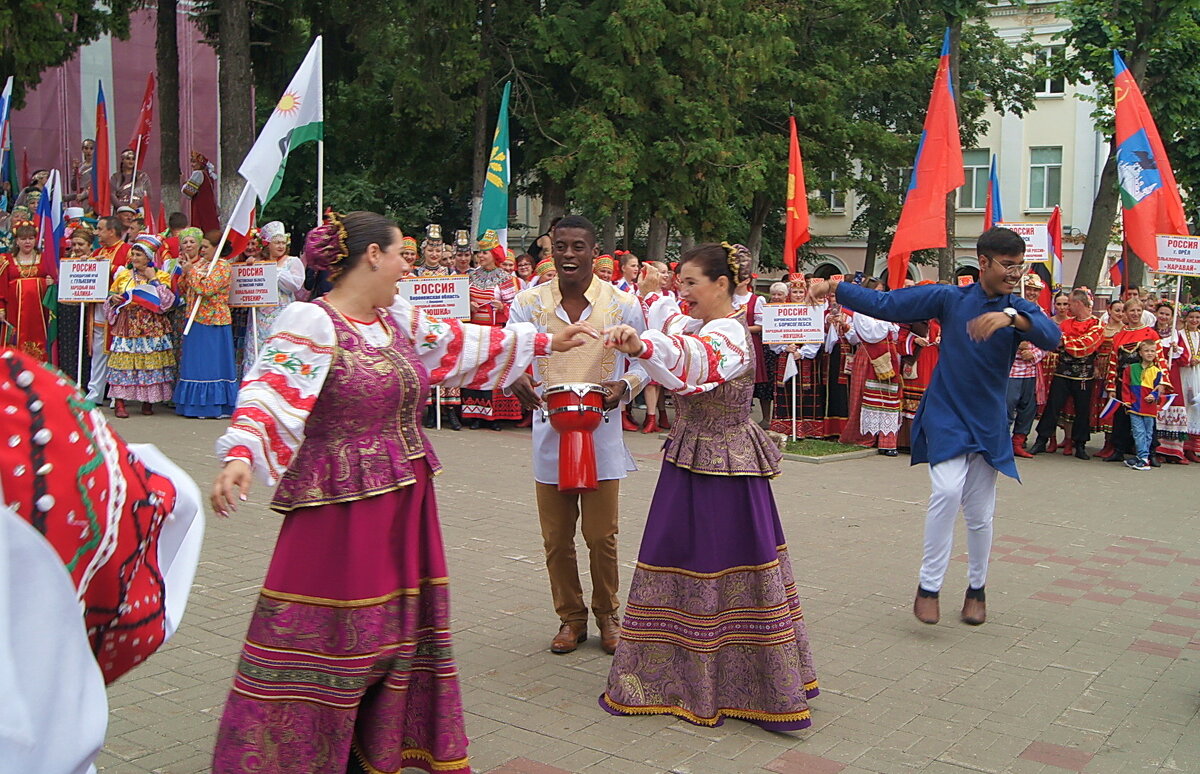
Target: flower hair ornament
(739,259)
(327,245)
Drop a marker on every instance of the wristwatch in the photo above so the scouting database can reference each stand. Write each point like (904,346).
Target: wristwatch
(1012,315)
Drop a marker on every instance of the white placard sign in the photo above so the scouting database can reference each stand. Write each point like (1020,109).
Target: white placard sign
(1037,240)
(83,282)
(1178,254)
(254,284)
(447,297)
(793,324)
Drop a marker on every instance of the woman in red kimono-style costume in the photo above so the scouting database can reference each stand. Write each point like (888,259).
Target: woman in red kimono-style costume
(24,279)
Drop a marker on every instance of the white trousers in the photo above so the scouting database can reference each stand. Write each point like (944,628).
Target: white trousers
(99,375)
(968,482)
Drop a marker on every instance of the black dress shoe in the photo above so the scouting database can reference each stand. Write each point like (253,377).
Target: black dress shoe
(1154,463)
(494,425)
(1081,453)
(1116,457)
(475,424)
(889,452)
(1039,446)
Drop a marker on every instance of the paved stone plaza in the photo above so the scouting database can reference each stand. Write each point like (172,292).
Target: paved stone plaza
(1090,661)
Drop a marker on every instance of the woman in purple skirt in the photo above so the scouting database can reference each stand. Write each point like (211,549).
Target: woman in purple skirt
(713,626)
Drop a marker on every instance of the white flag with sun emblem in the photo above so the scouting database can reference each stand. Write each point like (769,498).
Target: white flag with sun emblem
(299,117)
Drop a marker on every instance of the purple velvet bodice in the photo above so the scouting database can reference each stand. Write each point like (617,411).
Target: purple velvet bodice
(363,433)
(714,433)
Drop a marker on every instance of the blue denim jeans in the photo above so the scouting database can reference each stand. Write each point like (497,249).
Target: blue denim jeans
(1143,433)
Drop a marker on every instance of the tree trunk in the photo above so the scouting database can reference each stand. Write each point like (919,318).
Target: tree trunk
(167,61)
(608,235)
(554,203)
(946,262)
(483,140)
(656,240)
(235,81)
(760,208)
(874,239)
(686,243)
(1104,212)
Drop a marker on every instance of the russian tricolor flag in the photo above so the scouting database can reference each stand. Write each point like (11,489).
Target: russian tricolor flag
(993,211)
(49,221)
(1110,408)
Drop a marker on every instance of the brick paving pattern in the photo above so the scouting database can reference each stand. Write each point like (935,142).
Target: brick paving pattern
(1089,662)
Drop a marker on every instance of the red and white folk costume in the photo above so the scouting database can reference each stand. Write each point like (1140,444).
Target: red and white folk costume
(874,384)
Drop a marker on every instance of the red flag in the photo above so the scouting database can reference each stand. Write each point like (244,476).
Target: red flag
(1054,226)
(162,218)
(148,215)
(241,222)
(101,195)
(937,171)
(1150,198)
(141,133)
(797,202)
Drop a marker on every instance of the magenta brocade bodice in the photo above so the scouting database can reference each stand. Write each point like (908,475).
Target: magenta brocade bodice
(714,433)
(363,435)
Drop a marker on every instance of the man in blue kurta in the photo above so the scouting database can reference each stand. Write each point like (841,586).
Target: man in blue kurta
(961,426)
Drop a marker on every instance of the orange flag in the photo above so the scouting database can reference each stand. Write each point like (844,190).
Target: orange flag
(797,203)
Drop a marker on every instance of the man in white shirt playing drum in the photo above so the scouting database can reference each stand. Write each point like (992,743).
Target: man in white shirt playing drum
(577,296)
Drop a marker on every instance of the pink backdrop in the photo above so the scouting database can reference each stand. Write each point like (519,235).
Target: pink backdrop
(50,127)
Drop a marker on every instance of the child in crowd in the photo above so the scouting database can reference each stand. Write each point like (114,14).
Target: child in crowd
(1140,388)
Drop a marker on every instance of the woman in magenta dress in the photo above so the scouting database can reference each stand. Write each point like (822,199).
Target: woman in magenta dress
(713,626)
(347,664)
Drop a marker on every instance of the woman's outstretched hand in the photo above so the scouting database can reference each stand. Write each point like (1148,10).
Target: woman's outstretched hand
(624,339)
(231,487)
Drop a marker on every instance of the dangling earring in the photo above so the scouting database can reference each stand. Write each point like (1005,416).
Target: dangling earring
(374,267)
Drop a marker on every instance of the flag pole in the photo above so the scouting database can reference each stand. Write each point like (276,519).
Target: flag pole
(320,180)
(137,156)
(83,333)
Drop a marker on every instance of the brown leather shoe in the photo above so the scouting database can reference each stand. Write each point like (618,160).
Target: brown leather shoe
(925,606)
(568,638)
(974,610)
(610,633)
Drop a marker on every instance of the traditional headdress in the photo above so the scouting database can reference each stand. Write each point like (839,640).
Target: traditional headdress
(462,241)
(191,231)
(149,244)
(489,241)
(544,267)
(408,243)
(272,230)
(1034,280)
(603,261)
(433,233)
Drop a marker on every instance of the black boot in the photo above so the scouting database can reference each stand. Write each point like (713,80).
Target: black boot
(430,420)
(1039,446)
(1081,452)
(452,418)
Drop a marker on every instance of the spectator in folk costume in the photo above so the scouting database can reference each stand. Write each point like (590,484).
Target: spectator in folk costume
(918,346)
(961,428)
(128,187)
(545,271)
(749,305)
(713,627)
(1189,376)
(1170,423)
(576,295)
(31,194)
(208,383)
(604,267)
(629,266)
(81,176)
(348,664)
(492,290)
(802,362)
(1125,353)
(525,276)
(1074,375)
(874,382)
(141,361)
(201,189)
(1142,385)
(114,249)
(649,285)
(25,276)
(1114,322)
(72,318)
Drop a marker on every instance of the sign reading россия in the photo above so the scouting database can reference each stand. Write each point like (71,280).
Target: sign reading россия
(83,282)
(446,297)
(793,324)
(1178,254)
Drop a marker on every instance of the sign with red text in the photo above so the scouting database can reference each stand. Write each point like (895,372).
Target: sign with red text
(793,324)
(83,282)
(447,297)
(1178,254)
(254,284)
(1037,240)
(965,279)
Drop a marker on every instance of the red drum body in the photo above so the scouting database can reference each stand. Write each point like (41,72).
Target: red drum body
(576,410)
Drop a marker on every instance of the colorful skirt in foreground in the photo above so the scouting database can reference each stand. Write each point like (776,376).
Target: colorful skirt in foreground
(347,665)
(713,627)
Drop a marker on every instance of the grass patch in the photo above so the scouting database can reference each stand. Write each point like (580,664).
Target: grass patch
(815,447)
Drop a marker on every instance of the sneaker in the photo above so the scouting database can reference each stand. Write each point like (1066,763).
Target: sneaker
(1136,464)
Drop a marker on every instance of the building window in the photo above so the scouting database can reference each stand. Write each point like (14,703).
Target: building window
(834,199)
(1051,58)
(1045,178)
(976,166)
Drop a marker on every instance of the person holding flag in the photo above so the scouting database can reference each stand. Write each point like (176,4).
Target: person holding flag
(141,360)
(208,382)
(25,276)
(128,187)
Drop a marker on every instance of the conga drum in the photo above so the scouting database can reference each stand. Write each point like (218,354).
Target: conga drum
(575,410)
